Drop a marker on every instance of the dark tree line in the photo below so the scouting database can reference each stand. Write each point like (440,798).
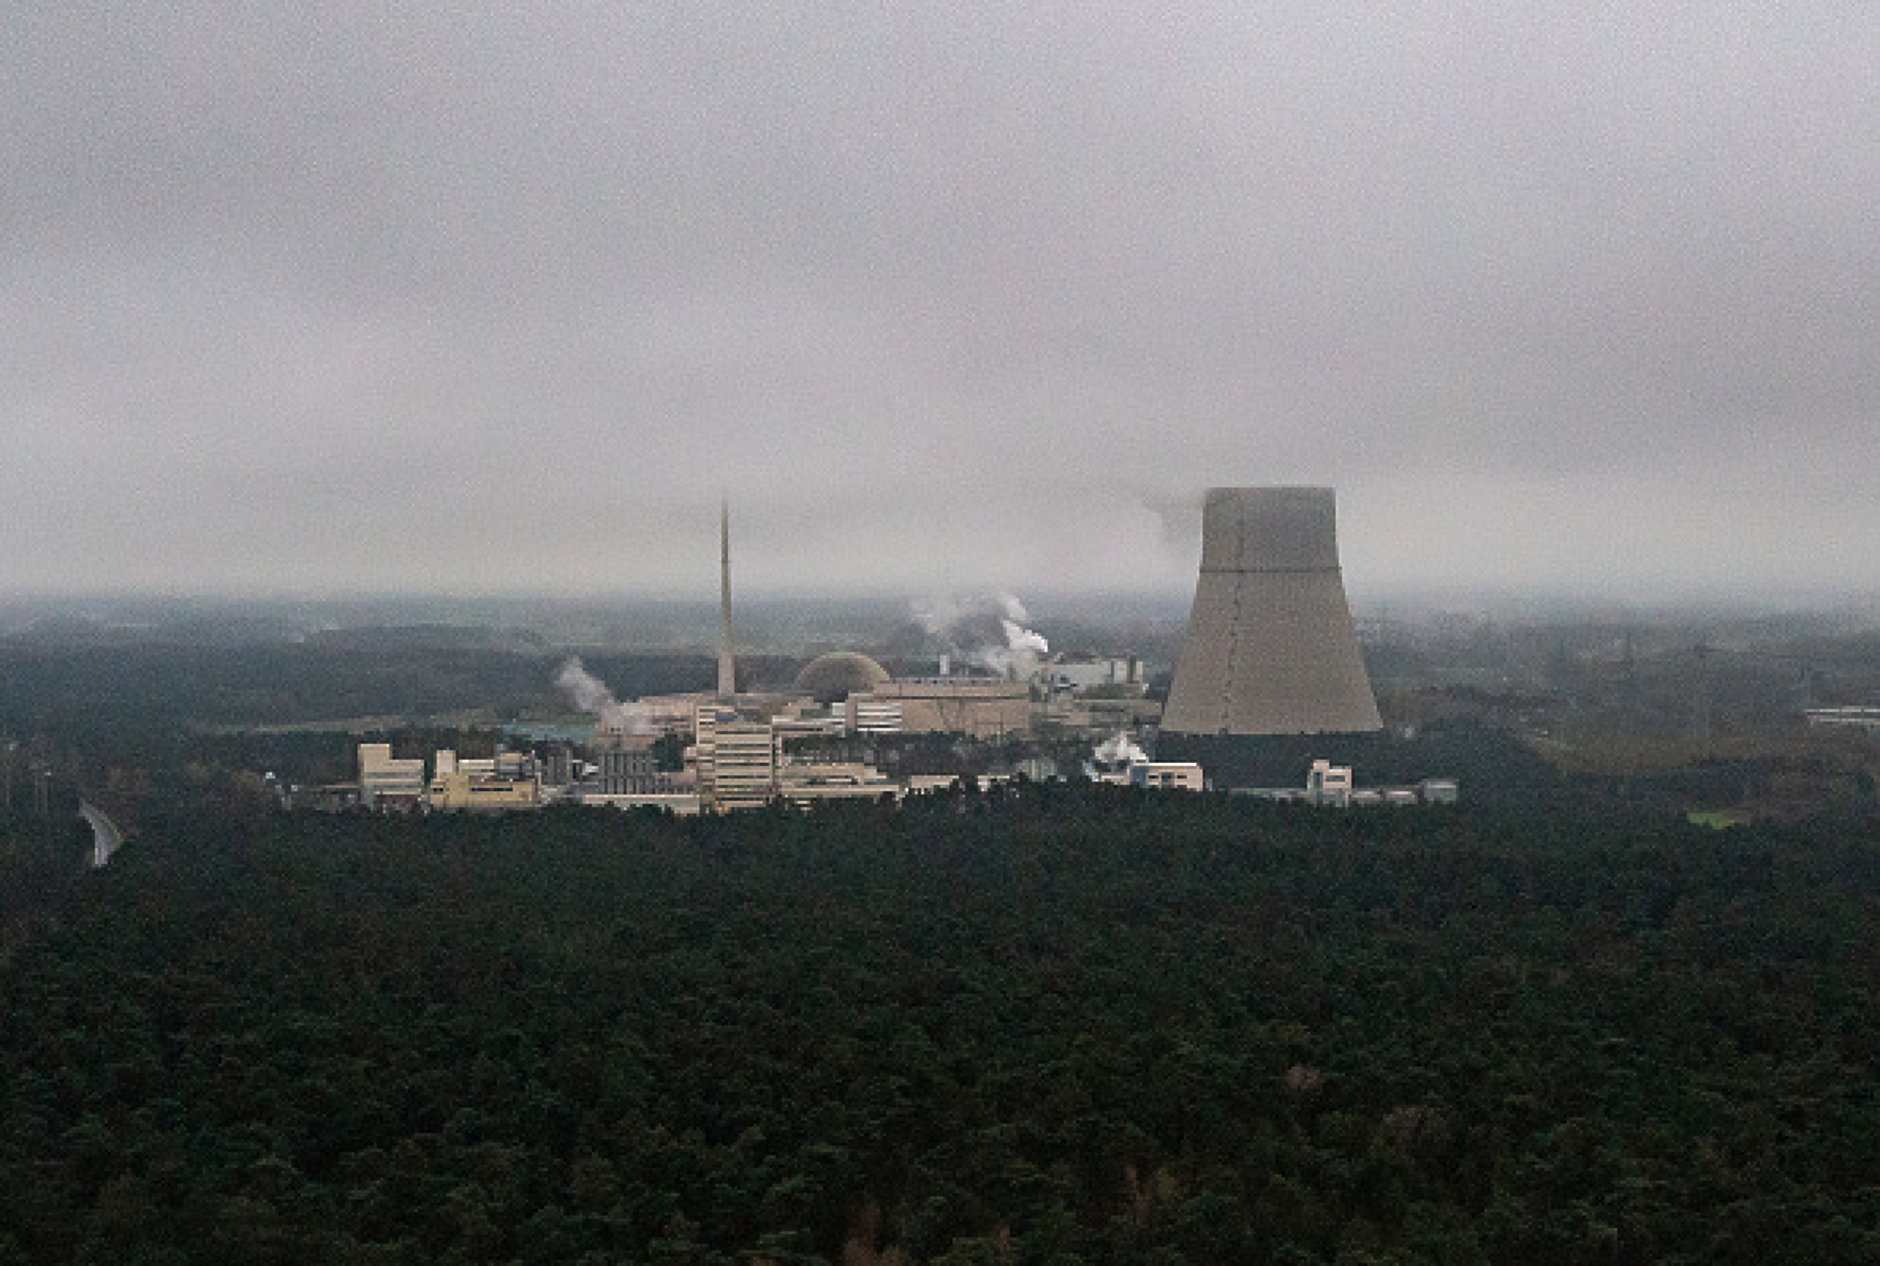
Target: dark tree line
(1054,1024)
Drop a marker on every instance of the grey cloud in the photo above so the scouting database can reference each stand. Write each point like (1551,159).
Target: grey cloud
(967,294)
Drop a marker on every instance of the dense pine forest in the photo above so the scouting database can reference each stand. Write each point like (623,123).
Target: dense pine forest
(1054,1024)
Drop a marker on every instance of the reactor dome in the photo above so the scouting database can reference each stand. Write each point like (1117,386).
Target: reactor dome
(833,677)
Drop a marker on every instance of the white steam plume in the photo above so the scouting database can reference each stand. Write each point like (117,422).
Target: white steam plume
(590,694)
(991,631)
(1120,750)
(1019,656)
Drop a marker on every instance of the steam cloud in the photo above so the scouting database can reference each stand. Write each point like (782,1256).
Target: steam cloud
(590,694)
(991,631)
(1121,750)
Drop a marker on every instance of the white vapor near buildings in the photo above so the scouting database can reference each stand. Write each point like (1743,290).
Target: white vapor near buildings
(590,694)
(1119,749)
(990,631)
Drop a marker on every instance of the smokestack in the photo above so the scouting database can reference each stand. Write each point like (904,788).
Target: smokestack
(727,667)
(1270,649)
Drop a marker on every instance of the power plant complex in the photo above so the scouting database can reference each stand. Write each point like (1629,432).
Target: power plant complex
(1269,662)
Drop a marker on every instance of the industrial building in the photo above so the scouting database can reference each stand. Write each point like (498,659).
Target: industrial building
(1851,718)
(386,781)
(1269,648)
(1332,786)
(1182,775)
(736,760)
(1328,784)
(1121,674)
(465,790)
(683,803)
(981,707)
(807,784)
(628,765)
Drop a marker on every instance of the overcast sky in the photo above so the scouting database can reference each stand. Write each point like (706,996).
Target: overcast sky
(941,294)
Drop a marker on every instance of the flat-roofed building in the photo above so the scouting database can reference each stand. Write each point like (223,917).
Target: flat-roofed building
(975,706)
(385,779)
(1093,673)
(1438,791)
(1183,774)
(682,803)
(736,760)
(628,765)
(465,791)
(805,784)
(1855,718)
(1329,784)
(668,714)
(869,715)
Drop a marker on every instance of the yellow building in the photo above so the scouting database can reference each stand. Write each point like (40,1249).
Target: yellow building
(385,779)
(1183,774)
(465,791)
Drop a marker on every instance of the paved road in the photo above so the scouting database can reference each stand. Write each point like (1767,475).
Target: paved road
(105,836)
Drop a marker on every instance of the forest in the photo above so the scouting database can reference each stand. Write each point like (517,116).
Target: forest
(1048,1024)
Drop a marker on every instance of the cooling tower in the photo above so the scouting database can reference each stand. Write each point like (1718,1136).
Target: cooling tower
(1269,648)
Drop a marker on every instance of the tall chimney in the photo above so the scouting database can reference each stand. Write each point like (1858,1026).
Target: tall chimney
(1270,648)
(727,667)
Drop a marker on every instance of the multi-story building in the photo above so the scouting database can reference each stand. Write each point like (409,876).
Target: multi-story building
(558,765)
(869,715)
(736,760)
(628,765)
(386,781)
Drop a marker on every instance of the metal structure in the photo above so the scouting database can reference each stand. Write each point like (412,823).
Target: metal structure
(1270,648)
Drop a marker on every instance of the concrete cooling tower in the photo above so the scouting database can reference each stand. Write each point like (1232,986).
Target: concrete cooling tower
(1269,648)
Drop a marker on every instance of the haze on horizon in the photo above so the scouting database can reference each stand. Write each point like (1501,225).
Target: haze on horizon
(331,298)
